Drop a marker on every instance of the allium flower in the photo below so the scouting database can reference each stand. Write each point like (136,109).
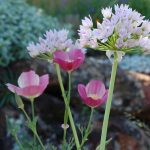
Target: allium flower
(87,22)
(30,85)
(69,61)
(123,30)
(145,43)
(86,34)
(94,93)
(107,12)
(52,41)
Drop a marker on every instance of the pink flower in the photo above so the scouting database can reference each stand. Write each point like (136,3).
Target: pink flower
(69,61)
(30,85)
(94,93)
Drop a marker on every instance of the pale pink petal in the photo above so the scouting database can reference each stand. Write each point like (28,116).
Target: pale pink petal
(28,79)
(12,87)
(95,87)
(44,80)
(104,98)
(31,91)
(82,92)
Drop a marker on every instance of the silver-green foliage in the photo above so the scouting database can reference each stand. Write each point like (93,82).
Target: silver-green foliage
(139,63)
(20,24)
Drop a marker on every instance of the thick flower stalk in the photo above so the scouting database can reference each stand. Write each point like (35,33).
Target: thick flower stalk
(120,32)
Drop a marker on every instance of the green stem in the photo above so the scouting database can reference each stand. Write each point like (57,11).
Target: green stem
(108,104)
(40,141)
(35,131)
(28,118)
(66,110)
(87,131)
(19,143)
(69,111)
(32,108)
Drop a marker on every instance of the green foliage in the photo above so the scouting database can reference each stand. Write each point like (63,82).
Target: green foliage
(86,7)
(79,7)
(7,97)
(20,24)
(17,129)
(143,6)
(138,63)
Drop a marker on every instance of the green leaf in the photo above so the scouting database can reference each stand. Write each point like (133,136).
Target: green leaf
(32,125)
(19,101)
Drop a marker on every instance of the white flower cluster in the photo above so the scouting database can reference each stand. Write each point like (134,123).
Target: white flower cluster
(122,30)
(53,40)
(86,33)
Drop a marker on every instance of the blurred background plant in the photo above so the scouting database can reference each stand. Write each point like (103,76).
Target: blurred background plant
(20,24)
(74,11)
(7,98)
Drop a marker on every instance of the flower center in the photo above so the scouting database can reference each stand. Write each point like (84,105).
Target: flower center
(69,60)
(94,96)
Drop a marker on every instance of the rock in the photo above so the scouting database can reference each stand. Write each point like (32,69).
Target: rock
(125,134)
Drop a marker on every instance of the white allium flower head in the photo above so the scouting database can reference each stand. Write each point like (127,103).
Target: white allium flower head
(107,12)
(87,22)
(120,30)
(78,45)
(145,44)
(52,40)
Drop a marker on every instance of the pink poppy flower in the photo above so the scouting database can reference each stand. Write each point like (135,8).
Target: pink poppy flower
(30,85)
(69,61)
(94,93)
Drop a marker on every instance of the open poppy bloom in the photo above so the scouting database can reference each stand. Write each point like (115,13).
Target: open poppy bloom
(94,93)
(30,85)
(69,61)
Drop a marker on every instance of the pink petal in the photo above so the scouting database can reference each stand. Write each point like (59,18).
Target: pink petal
(12,87)
(93,103)
(44,81)
(69,60)
(31,91)
(82,92)
(65,65)
(28,79)
(95,87)
(77,63)
(59,54)
(76,54)
(104,98)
